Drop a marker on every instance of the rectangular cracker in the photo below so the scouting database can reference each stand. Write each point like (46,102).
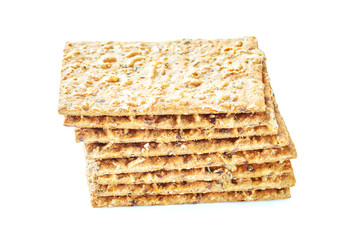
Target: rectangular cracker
(202,121)
(90,135)
(168,163)
(279,180)
(195,174)
(176,77)
(140,135)
(192,121)
(121,150)
(150,200)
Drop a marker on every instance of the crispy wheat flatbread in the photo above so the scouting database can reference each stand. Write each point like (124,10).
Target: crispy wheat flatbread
(100,135)
(125,150)
(279,180)
(193,121)
(175,77)
(168,163)
(150,135)
(194,174)
(255,195)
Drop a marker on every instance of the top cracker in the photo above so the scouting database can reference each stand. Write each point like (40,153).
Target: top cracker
(175,77)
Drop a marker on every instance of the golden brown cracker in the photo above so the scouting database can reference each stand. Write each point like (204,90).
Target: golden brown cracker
(168,163)
(193,121)
(125,150)
(195,174)
(176,77)
(255,195)
(100,135)
(279,180)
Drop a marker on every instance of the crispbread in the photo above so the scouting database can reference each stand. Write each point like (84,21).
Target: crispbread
(176,77)
(121,150)
(256,195)
(195,121)
(90,135)
(192,121)
(195,174)
(168,163)
(279,180)
(136,135)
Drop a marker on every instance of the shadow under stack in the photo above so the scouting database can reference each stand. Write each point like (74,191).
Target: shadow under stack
(178,122)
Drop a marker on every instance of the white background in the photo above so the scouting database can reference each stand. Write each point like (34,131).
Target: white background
(312,49)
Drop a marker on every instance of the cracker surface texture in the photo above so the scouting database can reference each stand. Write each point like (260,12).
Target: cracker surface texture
(175,77)
(192,121)
(260,128)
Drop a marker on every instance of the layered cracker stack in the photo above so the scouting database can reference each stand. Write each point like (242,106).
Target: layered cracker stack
(189,121)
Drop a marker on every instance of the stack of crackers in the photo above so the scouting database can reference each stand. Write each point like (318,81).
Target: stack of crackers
(178,122)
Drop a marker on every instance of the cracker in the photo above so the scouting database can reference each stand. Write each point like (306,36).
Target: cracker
(256,195)
(89,135)
(203,121)
(168,163)
(176,77)
(195,174)
(136,135)
(279,180)
(192,121)
(123,150)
